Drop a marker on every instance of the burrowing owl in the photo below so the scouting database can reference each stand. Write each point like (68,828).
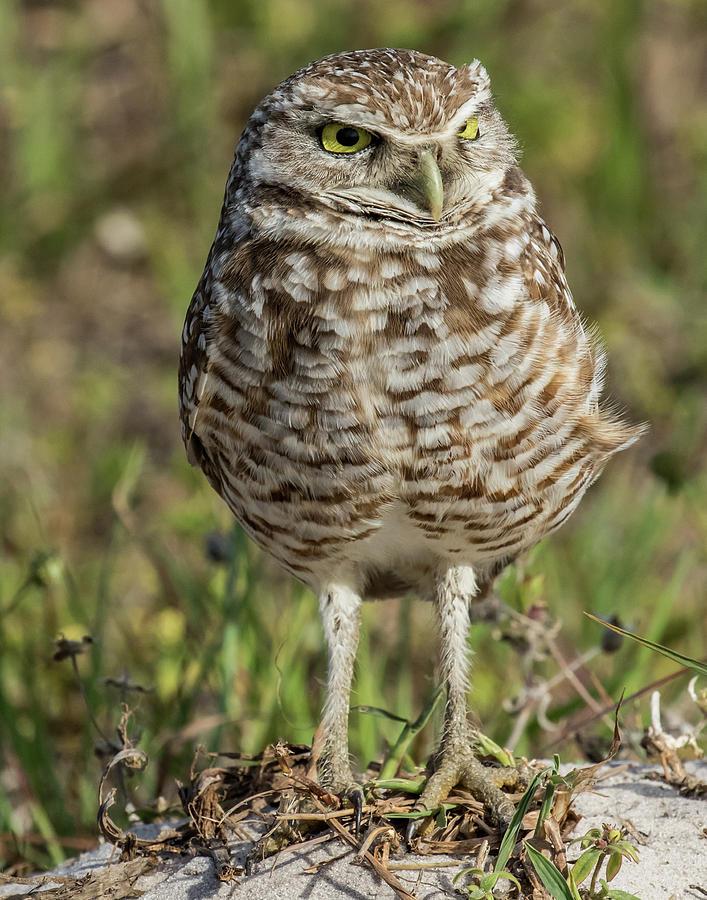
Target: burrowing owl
(383,372)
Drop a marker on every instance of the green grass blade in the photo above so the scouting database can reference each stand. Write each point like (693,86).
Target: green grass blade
(511,835)
(421,813)
(408,785)
(686,661)
(381,713)
(545,809)
(408,734)
(546,805)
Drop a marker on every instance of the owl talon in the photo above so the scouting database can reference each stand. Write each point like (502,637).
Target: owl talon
(414,827)
(356,798)
(352,795)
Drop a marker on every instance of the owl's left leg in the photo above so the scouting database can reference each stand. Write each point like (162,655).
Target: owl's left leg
(456,763)
(340,610)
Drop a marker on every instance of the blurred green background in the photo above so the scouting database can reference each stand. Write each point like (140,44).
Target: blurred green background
(118,122)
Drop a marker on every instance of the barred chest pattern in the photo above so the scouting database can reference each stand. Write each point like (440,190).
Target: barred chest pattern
(376,396)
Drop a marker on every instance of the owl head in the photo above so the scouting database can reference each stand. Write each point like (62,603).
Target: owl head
(382,134)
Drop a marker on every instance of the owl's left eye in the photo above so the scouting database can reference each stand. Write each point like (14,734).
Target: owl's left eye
(471,130)
(339,138)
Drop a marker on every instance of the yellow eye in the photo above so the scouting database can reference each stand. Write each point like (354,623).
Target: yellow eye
(471,130)
(339,138)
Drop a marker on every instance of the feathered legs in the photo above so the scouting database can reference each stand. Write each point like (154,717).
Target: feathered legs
(340,610)
(456,763)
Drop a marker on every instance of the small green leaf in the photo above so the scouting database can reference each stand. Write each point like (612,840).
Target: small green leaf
(594,834)
(610,893)
(627,850)
(484,746)
(488,882)
(471,871)
(585,864)
(585,840)
(549,874)
(613,867)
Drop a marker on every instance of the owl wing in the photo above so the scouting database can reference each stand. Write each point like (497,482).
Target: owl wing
(218,362)
(544,269)
(193,366)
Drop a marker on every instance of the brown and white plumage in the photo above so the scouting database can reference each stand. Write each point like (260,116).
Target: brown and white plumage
(392,393)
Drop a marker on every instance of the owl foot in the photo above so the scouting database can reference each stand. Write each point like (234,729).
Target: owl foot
(458,766)
(336,777)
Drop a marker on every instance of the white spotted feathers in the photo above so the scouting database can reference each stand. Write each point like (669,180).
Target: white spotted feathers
(373,392)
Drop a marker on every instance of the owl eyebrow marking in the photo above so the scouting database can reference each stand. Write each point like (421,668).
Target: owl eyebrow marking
(346,123)
(472,107)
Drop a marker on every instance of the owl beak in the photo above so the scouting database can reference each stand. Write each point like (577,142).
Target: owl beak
(427,185)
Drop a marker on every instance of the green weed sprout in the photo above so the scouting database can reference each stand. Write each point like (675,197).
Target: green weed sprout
(600,845)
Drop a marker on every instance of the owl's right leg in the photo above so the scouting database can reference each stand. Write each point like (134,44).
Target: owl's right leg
(340,611)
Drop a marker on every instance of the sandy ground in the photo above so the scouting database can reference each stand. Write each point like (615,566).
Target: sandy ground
(670,831)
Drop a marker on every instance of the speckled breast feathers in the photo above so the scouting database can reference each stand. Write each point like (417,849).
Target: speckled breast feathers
(372,388)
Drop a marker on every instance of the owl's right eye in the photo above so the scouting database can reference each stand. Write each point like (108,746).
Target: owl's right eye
(339,138)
